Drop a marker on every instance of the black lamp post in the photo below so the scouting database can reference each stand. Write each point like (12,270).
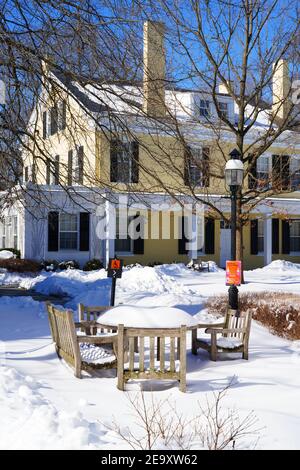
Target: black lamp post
(234,173)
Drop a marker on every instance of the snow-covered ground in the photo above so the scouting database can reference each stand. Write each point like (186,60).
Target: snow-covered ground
(42,404)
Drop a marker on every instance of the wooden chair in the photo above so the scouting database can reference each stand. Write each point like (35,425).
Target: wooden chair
(235,333)
(142,364)
(67,341)
(90,314)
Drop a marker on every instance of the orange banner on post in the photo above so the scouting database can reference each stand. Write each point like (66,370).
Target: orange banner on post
(233,273)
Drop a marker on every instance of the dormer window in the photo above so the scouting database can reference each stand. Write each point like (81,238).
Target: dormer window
(204,108)
(223,107)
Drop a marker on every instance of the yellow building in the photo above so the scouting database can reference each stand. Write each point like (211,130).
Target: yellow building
(147,156)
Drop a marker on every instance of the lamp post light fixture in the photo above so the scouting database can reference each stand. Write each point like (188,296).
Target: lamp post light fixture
(234,174)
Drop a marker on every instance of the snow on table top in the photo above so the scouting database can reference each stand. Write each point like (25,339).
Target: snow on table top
(147,317)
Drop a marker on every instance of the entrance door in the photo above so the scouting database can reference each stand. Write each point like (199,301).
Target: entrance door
(225,243)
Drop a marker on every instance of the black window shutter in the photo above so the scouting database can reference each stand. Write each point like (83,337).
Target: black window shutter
(53,116)
(48,170)
(276,170)
(252,175)
(56,170)
(285,172)
(70,167)
(182,240)
(44,124)
(135,162)
(275,236)
(84,234)
(80,157)
(254,237)
(209,236)
(53,231)
(285,227)
(114,146)
(138,244)
(187,157)
(64,115)
(205,169)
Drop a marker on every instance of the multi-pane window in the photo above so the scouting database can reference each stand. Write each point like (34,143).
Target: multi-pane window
(204,108)
(124,162)
(223,107)
(295,173)
(295,235)
(68,231)
(260,236)
(195,166)
(54,119)
(263,170)
(123,242)
(77,162)
(4,233)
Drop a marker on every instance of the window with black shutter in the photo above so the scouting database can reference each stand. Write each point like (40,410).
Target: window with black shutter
(205,167)
(196,166)
(182,240)
(78,164)
(53,120)
(53,227)
(254,237)
(84,231)
(209,238)
(48,170)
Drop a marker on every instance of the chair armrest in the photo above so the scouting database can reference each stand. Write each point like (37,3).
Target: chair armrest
(106,339)
(224,330)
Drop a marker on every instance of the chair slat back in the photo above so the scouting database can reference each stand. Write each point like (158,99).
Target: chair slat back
(63,333)
(241,321)
(155,356)
(86,313)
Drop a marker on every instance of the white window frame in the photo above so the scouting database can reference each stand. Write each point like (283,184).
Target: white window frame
(293,252)
(68,231)
(15,232)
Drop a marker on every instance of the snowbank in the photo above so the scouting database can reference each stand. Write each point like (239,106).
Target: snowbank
(29,421)
(147,317)
(280,266)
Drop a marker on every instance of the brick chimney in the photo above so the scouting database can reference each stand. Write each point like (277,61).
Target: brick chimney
(281,87)
(154,69)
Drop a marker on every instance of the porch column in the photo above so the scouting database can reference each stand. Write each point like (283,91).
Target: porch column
(267,239)
(193,237)
(110,222)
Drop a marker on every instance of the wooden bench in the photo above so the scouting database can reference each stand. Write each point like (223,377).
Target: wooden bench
(89,316)
(67,341)
(199,265)
(235,333)
(142,363)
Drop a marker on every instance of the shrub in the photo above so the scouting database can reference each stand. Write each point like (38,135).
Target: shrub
(278,311)
(154,263)
(49,265)
(93,265)
(71,264)
(20,265)
(16,252)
